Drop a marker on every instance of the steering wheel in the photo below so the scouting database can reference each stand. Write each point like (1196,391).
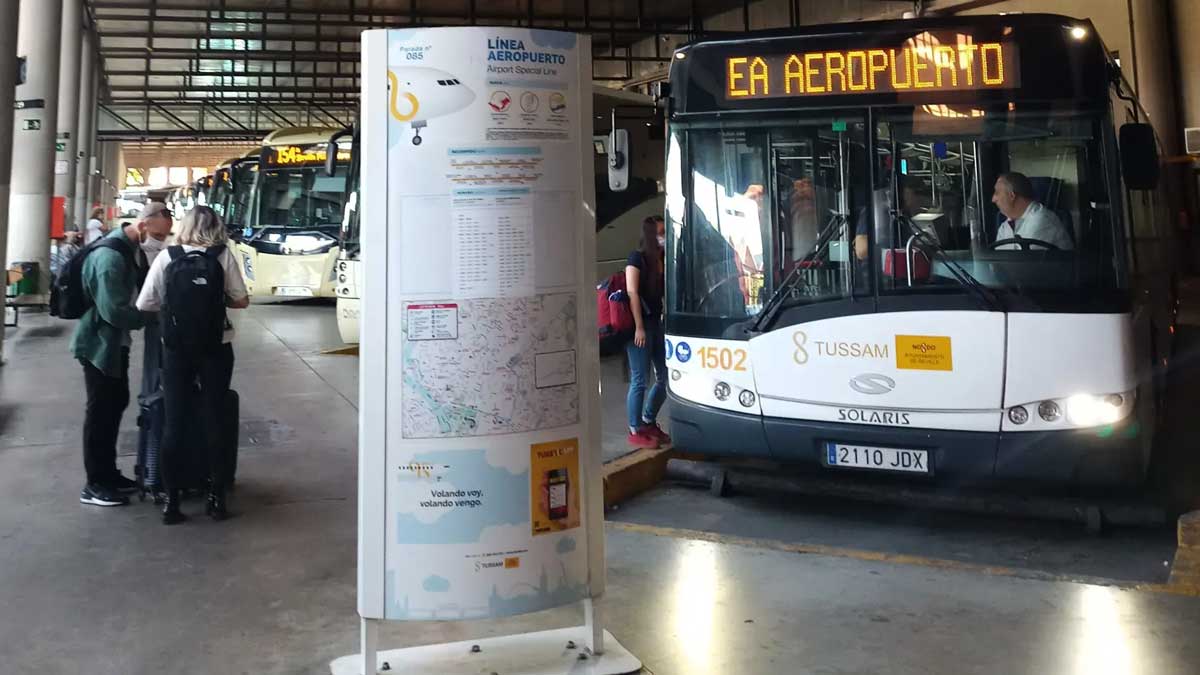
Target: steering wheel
(1024,243)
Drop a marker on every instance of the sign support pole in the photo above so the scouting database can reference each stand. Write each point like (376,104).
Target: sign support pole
(370,644)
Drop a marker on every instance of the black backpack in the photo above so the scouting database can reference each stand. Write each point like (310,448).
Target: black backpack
(68,297)
(193,309)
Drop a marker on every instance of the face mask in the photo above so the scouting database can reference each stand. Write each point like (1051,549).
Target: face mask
(153,247)
(662,241)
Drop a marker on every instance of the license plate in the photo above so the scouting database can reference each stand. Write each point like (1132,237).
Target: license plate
(294,291)
(840,455)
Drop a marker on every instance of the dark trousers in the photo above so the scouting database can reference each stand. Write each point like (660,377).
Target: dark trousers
(107,398)
(189,413)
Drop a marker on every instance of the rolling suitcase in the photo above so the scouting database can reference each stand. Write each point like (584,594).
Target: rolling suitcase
(151,420)
(194,470)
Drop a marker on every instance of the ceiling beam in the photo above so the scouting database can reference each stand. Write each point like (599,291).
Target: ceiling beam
(376,18)
(208,135)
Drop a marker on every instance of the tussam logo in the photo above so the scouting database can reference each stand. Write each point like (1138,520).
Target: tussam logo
(507,564)
(872,383)
(836,349)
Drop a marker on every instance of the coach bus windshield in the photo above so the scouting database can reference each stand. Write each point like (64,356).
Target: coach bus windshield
(299,197)
(1015,202)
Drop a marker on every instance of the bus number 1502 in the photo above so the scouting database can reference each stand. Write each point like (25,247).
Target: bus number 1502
(722,358)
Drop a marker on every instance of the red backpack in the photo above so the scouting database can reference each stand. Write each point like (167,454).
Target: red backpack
(614,318)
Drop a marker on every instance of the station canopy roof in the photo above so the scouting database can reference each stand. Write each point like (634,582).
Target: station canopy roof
(235,69)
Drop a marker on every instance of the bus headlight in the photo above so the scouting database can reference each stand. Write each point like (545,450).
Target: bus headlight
(721,391)
(1018,414)
(1049,411)
(746,398)
(1086,410)
(248,267)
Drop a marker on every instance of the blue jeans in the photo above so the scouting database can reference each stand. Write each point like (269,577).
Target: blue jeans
(643,409)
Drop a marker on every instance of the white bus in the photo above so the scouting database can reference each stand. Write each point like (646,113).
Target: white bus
(843,289)
(291,230)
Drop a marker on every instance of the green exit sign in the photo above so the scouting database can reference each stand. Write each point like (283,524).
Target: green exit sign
(60,147)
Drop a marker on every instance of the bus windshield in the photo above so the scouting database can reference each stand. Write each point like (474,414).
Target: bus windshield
(791,211)
(945,203)
(230,191)
(765,200)
(299,198)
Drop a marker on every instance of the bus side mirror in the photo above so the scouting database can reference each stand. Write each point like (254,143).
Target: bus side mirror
(331,152)
(618,160)
(1139,156)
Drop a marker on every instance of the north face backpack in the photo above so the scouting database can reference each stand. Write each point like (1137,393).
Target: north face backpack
(193,310)
(69,299)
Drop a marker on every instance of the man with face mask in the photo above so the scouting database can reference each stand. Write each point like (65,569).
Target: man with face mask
(101,343)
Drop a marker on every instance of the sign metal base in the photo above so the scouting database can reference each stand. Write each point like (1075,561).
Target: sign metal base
(542,653)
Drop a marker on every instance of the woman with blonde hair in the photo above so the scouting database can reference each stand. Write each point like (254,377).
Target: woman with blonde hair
(190,288)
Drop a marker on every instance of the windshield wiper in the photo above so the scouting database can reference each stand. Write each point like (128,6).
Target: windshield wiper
(987,298)
(776,302)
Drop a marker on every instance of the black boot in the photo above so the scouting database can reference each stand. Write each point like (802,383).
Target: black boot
(171,513)
(215,507)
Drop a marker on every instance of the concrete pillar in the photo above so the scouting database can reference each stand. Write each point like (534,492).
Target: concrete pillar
(8,73)
(83,127)
(112,162)
(92,146)
(33,141)
(68,112)
(1185,16)
(1156,86)
(100,160)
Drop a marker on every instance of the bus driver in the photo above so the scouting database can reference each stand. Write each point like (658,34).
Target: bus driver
(1025,217)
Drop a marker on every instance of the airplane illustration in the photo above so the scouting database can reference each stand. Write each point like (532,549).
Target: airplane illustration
(420,94)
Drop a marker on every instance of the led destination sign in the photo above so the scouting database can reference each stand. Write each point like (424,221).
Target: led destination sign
(922,64)
(291,155)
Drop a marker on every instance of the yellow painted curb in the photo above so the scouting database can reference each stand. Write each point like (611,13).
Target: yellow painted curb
(1185,573)
(629,476)
(349,350)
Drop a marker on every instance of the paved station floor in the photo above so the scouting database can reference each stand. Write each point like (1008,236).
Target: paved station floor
(89,590)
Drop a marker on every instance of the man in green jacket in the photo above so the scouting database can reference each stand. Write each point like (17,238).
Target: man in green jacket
(101,343)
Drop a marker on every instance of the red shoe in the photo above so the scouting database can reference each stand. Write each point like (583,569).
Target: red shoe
(643,440)
(654,431)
